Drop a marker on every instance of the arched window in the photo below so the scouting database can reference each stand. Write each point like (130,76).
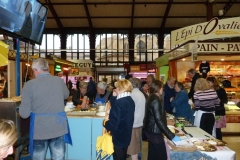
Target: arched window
(125,47)
(141,47)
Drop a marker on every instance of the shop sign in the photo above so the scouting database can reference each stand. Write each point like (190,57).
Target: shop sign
(58,68)
(146,66)
(212,29)
(152,71)
(134,68)
(82,63)
(217,47)
(163,60)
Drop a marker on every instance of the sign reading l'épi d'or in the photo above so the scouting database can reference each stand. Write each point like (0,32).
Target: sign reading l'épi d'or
(212,29)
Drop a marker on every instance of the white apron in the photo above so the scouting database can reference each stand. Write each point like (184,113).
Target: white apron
(198,115)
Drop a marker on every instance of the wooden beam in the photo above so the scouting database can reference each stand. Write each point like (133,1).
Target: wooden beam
(166,15)
(93,17)
(227,7)
(51,8)
(87,13)
(130,3)
(132,16)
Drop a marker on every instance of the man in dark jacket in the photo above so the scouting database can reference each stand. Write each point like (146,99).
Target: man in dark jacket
(194,75)
(92,88)
(169,92)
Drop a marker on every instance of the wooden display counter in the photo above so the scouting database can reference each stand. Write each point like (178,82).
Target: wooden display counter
(233,116)
(232,113)
(84,131)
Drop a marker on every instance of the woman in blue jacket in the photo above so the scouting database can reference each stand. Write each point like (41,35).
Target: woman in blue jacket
(121,118)
(180,102)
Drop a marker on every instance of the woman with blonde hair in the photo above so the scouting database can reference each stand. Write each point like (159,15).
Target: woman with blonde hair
(121,118)
(205,103)
(8,136)
(220,113)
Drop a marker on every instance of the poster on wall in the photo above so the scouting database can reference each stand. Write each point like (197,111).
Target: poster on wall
(74,71)
(162,78)
(194,56)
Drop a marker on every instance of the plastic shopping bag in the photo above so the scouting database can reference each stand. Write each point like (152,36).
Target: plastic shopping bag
(104,147)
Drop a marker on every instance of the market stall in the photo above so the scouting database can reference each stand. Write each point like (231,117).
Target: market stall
(86,126)
(222,152)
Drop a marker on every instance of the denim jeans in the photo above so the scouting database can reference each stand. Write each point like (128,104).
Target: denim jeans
(56,145)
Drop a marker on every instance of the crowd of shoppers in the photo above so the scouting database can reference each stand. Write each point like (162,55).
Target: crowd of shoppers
(137,108)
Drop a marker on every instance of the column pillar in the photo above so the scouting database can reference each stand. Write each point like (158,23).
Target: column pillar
(209,10)
(131,46)
(92,38)
(160,43)
(63,38)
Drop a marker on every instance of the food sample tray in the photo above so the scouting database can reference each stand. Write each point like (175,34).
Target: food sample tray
(82,113)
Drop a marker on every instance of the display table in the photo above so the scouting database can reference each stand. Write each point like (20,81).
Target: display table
(222,153)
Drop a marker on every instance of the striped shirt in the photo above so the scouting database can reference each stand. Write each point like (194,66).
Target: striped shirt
(206,100)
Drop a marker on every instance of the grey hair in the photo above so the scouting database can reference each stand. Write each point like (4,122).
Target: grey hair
(102,85)
(192,71)
(136,83)
(171,79)
(151,76)
(40,64)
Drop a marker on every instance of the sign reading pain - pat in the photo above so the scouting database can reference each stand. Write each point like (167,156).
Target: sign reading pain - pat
(212,29)
(217,47)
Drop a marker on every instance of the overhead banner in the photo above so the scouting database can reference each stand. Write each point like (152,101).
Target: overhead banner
(163,60)
(212,29)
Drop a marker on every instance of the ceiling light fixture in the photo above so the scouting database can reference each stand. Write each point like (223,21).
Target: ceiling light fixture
(220,12)
(183,59)
(222,59)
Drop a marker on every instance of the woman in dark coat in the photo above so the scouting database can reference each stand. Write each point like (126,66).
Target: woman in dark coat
(121,118)
(155,123)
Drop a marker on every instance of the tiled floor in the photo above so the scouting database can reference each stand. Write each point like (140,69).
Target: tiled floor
(233,143)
